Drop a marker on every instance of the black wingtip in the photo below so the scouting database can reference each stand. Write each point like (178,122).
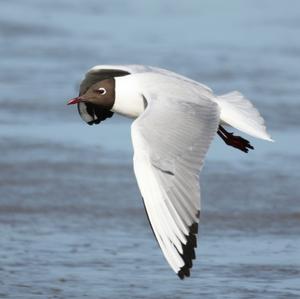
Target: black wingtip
(184,272)
(188,254)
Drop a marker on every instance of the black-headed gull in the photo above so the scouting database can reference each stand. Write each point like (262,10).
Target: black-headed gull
(176,120)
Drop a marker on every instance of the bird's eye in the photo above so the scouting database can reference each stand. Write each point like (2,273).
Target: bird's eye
(101,91)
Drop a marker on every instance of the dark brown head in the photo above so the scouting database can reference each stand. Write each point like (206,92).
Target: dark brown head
(100,94)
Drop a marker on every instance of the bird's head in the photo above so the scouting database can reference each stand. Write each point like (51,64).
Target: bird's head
(101,94)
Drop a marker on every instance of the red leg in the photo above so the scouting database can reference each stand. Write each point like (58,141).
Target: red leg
(235,141)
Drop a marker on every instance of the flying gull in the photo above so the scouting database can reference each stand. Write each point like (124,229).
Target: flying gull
(175,121)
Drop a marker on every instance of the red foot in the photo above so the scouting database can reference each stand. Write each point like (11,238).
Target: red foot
(235,141)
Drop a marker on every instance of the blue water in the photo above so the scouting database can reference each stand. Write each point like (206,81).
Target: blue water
(72,223)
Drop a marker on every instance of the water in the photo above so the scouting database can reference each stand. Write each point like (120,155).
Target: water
(72,223)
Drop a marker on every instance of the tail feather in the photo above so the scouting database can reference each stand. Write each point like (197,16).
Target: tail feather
(240,113)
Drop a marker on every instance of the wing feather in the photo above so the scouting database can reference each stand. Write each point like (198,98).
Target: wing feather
(170,141)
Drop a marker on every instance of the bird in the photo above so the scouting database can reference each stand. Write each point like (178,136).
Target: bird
(174,122)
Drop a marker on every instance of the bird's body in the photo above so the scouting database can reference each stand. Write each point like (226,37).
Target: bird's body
(176,119)
(129,98)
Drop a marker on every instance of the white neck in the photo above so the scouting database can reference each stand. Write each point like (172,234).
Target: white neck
(128,99)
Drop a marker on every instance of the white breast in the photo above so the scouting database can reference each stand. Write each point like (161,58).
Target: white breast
(129,100)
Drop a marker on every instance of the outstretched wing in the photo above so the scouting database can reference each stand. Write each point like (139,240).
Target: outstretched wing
(170,140)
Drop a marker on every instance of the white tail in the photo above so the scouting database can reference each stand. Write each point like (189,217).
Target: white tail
(240,113)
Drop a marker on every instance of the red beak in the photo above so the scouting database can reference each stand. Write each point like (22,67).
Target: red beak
(74,101)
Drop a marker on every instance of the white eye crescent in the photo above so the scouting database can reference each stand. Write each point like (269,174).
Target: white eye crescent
(102,91)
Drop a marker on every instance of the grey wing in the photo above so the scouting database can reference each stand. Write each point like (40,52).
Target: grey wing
(91,113)
(170,140)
